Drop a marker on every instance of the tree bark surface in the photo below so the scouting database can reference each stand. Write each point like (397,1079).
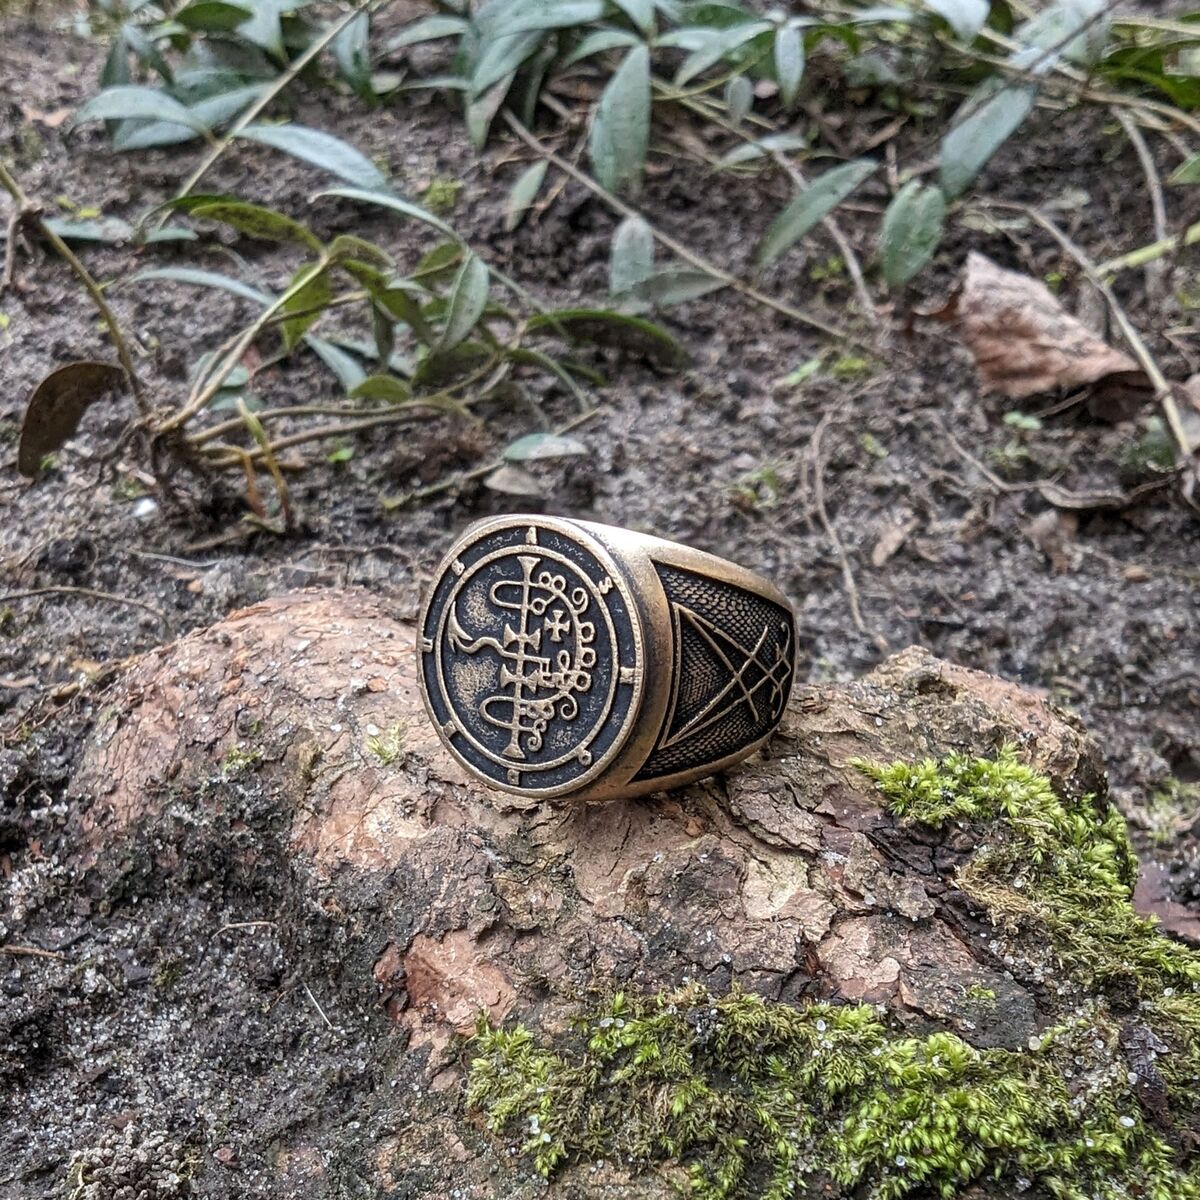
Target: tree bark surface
(442,898)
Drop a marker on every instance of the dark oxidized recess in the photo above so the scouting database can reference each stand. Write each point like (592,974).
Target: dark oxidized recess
(532,657)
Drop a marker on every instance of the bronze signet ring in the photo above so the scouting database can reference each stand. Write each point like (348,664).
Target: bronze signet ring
(567,659)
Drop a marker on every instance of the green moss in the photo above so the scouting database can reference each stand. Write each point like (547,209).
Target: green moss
(388,747)
(441,196)
(240,758)
(762,1099)
(1065,867)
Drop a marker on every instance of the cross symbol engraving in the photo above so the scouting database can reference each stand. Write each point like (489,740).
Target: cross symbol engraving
(557,625)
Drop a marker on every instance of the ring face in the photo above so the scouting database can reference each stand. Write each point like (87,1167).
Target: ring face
(532,656)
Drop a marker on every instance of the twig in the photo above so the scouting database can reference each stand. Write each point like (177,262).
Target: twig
(679,248)
(90,593)
(28,211)
(1001,485)
(848,582)
(308,992)
(32,952)
(460,477)
(1158,206)
(706,109)
(280,84)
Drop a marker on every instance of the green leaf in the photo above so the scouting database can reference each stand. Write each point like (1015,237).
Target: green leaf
(322,150)
(631,255)
(911,231)
(480,111)
(739,98)
(265,27)
(992,113)
(106,230)
(210,279)
(428,29)
(212,16)
(307,296)
(641,13)
(598,42)
(345,367)
(468,299)
(620,132)
(510,17)
(746,152)
(1187,171)
(133,100)
(396,204)
(965,17)
(608,328)
(1051,29)
(386,388)
(811,207)
(213,112)
(116,66)
(674,285)
(349,246)
(147,52)
(540,447)
(257,221)
(502,57)
(789,63)
(716,46)
(523,193)
(350,52)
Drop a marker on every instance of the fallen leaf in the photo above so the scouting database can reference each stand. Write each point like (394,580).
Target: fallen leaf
(1188,395)
(890,540)
(52,120)
(512,480)
(1053,533)
(1024,343)
(57,406)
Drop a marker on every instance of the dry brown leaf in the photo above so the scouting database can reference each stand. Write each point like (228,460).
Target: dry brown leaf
(1053,533)
(1025,344)
(890,540)
(57,406)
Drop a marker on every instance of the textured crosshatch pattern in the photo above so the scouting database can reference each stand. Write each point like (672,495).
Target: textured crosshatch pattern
(530,658)
(732,671)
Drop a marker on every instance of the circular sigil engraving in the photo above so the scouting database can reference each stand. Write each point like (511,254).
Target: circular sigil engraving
(531,657)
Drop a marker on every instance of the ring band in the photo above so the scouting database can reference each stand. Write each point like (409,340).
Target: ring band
(566,659)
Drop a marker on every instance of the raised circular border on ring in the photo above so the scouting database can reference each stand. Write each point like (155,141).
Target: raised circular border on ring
(447,717)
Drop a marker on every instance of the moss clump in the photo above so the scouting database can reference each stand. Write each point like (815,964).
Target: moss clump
(1067,868)
(762,1099)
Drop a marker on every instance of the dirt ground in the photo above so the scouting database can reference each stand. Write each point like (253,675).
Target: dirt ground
(1100,609)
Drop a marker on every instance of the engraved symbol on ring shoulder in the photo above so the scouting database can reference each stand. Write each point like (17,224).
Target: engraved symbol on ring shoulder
(756,676)
(546,651)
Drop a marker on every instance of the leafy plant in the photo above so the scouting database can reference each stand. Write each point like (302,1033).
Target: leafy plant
(436,336)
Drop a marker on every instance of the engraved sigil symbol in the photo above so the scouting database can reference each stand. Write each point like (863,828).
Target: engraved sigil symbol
(546,651)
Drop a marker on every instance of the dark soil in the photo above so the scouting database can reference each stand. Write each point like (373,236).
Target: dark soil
(1099,608)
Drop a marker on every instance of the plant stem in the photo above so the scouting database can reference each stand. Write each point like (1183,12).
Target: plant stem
(1145,254)
(26,210)
(679,248)
(279,85)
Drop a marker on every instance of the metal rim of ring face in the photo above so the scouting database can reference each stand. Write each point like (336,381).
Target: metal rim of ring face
(561,658)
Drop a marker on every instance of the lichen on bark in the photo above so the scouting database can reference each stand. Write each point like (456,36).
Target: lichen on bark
(761,1098)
